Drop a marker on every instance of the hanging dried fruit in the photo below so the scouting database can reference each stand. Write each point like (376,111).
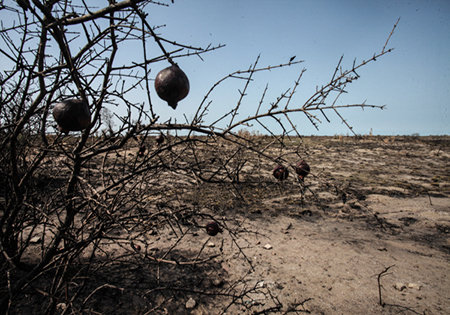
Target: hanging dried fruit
(159,138)
(212,228)
(302,169)
(72,115)
(172,85)
(142,149)
(280,173)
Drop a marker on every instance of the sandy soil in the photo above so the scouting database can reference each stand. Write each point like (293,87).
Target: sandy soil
(331,262)
(335,261)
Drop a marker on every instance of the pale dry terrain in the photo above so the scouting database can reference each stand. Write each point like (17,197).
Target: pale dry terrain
(288,248)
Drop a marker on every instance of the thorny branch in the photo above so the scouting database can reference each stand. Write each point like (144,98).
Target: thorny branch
(68,198)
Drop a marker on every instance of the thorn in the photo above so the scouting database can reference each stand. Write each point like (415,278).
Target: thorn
(292,59)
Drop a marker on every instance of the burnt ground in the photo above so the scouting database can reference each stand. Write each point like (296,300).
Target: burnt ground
(290,247)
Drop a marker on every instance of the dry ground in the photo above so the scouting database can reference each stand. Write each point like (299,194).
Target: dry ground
(330,254)
(290,249)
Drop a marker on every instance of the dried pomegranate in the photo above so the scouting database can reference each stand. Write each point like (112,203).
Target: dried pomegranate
(302,169)
(72,115)
(142,149)
(172,85)
(212,228)
(159,138)
(280,173)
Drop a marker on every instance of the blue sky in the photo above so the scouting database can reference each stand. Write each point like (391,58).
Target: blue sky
(413,80)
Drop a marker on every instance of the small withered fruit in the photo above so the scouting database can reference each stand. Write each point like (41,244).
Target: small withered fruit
(212,228)
(159,138)
(142,149)
(72,115)
(172,85)
(302,169)
(280,172)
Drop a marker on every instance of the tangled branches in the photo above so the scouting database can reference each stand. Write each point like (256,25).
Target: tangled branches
(65,197)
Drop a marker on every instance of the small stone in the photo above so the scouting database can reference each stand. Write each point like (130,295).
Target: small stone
(211,244)
(414,286)
(346,208)
(399,286)
(217,282)
(61,306)
(268,246)
(35,240)
(190,303)
(226,266)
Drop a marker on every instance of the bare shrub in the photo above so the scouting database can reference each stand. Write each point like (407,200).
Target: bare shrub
(73,206)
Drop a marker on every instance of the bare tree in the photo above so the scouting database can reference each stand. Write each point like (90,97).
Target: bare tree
(63,195)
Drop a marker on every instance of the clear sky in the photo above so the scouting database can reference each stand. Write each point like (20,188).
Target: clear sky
(413,80)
